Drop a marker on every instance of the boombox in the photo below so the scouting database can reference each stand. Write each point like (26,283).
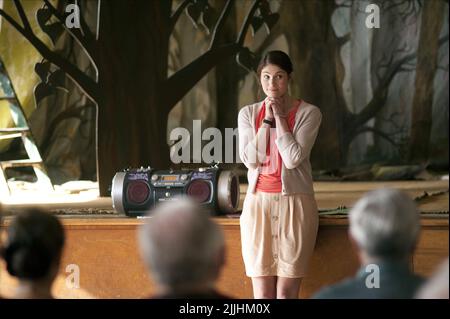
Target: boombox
(136,191)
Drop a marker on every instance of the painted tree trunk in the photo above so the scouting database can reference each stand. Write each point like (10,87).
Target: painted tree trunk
(227,79)
(132,59)
(427,57)
(318,74)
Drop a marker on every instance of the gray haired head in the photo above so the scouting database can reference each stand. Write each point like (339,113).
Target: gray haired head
(181,245)
(385,223)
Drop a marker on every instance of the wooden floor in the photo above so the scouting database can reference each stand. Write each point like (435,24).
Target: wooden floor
(104,248)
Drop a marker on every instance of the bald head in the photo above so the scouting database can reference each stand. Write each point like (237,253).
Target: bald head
(181,245)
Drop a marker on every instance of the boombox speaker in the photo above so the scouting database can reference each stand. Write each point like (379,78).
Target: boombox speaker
(136,191)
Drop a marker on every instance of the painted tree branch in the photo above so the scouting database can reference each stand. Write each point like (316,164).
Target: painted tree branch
(186,78)
(269,39)
(443,40)
(11,21)
(365,129)
(405,8)
(344,4)
(394,121)
(73,112)
(178,11)
(22,15)
(85,83)
(85,41)
(85,30)
(380,94)
(246,24)
(344,39)
(219,25)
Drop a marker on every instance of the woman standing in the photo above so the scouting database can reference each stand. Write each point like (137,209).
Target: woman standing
(279,219)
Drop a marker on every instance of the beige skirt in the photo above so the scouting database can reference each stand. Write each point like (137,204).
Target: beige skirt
(278,234)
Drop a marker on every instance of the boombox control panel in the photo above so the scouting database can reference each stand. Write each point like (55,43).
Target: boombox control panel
(168,180)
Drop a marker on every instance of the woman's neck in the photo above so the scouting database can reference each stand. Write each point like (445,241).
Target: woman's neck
(288,103)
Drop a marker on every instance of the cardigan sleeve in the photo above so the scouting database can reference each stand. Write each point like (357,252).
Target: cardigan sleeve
(250,152)
(295,147)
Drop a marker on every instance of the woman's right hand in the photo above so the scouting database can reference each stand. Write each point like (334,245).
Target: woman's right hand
(269,110)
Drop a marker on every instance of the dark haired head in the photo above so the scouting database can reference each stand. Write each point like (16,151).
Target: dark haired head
(34,244)
(278,58)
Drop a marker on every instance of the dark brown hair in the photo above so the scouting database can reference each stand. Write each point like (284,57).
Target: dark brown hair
(278,58)
(35,240)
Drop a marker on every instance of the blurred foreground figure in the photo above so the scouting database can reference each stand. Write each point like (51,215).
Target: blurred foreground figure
(384,228)
(437,287)
(184,250)
(32,252)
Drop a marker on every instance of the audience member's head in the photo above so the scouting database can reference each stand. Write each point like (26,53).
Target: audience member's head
(32,252)
(385,225)
(183,248)
(437,287)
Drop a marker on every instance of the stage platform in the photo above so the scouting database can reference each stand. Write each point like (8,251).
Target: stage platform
(103,246)
(431,197)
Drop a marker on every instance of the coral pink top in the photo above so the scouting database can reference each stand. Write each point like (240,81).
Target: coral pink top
(269,179)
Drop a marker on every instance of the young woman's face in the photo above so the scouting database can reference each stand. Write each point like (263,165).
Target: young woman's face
(274,81)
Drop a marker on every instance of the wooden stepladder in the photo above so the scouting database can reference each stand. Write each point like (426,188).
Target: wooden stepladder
(21,129)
